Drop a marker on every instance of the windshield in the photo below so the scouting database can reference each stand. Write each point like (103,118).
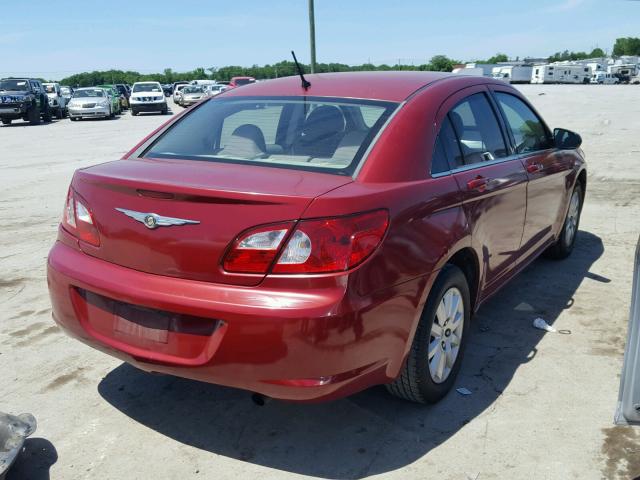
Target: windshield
(146,87)
(14,85)
(192,89)
(244,81)
(121,89)
(50,89)
(179,88)
(320,134)
(88,92)
(65,90)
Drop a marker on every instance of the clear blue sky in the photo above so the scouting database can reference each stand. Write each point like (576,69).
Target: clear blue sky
(148,36)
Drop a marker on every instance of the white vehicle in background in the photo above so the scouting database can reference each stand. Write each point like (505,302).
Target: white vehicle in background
(213,90)
(57,103)
(203,82)
(147,97)
(177,93)
(67,93)
(561,73)
(513,73)
(603,78)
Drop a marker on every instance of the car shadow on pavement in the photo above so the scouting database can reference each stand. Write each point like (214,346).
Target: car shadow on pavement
(35,460)
(371,432)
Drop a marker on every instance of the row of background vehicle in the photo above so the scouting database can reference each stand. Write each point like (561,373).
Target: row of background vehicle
(34,100)
(199,89)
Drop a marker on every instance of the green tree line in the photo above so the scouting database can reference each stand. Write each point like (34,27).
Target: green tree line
(439,63)
(280,69)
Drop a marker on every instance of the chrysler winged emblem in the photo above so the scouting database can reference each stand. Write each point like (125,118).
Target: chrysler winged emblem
(153,220)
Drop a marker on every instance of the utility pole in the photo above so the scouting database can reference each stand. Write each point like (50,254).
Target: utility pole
(312,36)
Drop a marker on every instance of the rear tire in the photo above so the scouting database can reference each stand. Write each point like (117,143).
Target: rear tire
(424,379)
(567,239)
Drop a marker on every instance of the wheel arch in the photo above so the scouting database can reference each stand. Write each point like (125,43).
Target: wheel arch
(466,260)
(582,180)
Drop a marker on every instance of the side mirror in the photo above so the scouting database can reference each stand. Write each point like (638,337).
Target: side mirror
(566,139)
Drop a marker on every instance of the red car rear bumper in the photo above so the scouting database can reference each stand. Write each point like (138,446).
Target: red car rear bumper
(319,342)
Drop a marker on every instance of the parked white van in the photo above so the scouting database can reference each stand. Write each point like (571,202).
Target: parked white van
(603,78)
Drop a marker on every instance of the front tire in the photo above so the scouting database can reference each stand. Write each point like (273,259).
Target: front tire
(567,239)
(59,113)
(134,112)
(6,121)
(34,115)
(438,346)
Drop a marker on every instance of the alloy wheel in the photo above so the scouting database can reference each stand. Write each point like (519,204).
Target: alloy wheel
(446,335)
(571,225)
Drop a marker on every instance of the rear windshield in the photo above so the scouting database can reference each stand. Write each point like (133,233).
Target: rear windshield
(307,133)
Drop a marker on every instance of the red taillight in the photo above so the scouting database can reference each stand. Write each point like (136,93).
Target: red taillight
(314,246)
(78,220)
(332,244)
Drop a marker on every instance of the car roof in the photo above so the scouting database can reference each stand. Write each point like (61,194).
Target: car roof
(393,86)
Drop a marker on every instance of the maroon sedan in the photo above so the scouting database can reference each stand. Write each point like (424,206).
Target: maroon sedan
(308,243)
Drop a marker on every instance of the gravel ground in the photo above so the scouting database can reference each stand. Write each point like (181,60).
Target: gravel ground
(541,404)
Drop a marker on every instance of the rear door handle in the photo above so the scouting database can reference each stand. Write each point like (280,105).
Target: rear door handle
(478,184)
(534,167)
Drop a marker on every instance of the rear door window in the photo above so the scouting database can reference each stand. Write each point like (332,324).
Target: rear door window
(477,129)
(528,131)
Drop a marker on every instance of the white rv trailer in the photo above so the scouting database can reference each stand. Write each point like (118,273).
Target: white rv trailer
(476,69)
(596,67)
(561,73)
(513,73)
(478,72)
(626,70)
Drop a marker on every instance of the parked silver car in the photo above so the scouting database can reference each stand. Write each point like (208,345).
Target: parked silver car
(177,92)
(92,102)
(213,90)
(192,94)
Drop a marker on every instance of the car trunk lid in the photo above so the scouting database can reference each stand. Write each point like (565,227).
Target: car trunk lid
(225,199)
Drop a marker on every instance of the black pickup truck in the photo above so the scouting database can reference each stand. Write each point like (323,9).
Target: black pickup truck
(23,98)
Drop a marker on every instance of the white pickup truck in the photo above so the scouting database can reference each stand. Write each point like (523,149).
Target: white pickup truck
(57,103)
